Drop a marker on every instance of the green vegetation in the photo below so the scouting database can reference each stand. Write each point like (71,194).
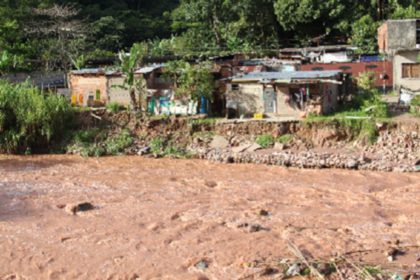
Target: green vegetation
(136,86)
(157,145)
(191,81)
(362,113)
(285,139)
(29,119)
(209,121)
(415,106)
(95,142)
(117,144)
(268,140)
(162,147)
(368,271)
(265,140)
(113,107)
(59,34)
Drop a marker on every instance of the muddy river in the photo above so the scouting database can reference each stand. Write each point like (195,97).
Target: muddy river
(158,219)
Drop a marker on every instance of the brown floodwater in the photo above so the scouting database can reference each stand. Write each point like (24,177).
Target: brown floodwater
(158,218)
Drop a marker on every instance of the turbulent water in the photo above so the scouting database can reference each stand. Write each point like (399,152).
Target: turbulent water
(156,219)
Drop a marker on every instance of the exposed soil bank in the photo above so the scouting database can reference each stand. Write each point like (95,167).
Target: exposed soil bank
(349,144)
(159,219)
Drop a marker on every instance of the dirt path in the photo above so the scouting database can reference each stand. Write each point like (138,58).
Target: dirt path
(156,219)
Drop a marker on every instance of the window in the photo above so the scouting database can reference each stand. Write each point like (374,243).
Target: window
(344,68)
(418,32)
(411,70)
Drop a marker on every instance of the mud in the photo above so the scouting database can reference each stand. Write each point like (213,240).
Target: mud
(191,219)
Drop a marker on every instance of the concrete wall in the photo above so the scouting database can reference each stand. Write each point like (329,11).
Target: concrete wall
(399,59)
(83,86)
(329,98)
(116,93)
(283,106)
(401,35)
(249,98)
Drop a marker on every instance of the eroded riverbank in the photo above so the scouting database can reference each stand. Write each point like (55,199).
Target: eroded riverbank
(156,219)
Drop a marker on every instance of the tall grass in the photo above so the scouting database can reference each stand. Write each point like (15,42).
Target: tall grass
(30,119)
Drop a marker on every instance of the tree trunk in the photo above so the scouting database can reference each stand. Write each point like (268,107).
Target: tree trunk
(133,99)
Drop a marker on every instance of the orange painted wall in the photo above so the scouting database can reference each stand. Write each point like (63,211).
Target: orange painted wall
(84,85)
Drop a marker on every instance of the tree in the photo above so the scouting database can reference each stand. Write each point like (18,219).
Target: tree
(364,34)
(61,34)
(311,20)
(405,12)
(107,34)
(191,82)
(129,64)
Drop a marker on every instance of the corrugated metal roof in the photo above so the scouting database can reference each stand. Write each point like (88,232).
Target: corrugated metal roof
(296,75)
(95,71)
(149,69)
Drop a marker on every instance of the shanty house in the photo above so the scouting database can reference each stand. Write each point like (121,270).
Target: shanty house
(288,94)
(400,41)
(97,87)
(89,87)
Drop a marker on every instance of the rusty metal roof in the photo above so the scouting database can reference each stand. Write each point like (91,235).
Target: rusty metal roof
(295,75)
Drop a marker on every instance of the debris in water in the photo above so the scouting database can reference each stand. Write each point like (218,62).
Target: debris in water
(202,265)
(73,209)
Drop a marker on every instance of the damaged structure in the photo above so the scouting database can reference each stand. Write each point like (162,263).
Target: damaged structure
(399,40)
(284,94)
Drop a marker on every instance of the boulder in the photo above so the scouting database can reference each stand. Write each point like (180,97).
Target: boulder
(254,147)
(241,148)
(219,142)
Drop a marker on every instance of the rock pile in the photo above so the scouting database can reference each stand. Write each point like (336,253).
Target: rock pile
(394,151)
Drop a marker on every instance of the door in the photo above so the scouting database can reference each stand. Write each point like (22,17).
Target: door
(270,101)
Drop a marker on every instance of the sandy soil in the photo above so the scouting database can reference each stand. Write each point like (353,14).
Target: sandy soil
(156,219)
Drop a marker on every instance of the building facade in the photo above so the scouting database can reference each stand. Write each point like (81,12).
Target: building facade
(285,94)
(399,40)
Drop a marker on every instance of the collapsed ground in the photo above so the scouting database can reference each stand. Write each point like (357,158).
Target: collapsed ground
(316,143)
(136,218)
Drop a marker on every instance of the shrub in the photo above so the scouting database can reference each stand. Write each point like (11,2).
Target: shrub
(415,106)
(284,139)
(265,140)
(30,119)
(415,101)
(175,151)
(117,144)
(114,107)
(87,135)
(93,150)
(157,145)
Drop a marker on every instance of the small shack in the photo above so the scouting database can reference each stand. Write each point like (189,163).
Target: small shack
(286,94)
(89,87)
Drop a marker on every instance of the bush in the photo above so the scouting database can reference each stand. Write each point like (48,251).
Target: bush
(117,144)
(415,106)
(415,101)
(284,139)
(114,107)
(95,143)
(157,145)
(30,119)
(265,140)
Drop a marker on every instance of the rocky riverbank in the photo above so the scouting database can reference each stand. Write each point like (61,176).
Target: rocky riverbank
(350,144)
(394,150)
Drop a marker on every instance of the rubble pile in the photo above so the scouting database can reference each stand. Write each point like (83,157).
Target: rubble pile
(395,150)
